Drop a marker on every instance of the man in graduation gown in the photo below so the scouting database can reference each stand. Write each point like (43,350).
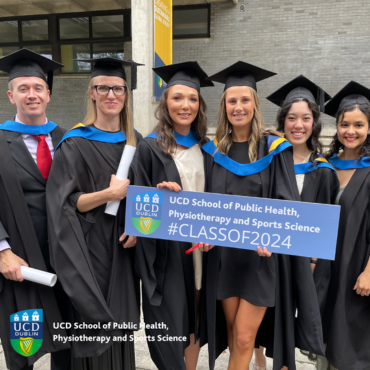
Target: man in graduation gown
(26,149)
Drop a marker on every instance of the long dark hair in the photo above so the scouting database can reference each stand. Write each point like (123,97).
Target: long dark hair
(164,128)
(336,145)
(313,142)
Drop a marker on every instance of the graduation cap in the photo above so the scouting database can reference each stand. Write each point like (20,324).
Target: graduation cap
(241,74)
(300,87)
(26,63)
(352,93)
(112,67)
(186,73)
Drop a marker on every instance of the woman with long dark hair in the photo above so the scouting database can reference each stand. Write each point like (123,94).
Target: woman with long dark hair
(251,297)
(346,317)
(91,257)
(300,102)
(171,158)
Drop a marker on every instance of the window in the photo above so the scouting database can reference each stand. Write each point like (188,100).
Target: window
(92,36)
(191,21)
(71,52)
(44,50)
(32,33)
(110,49)
(35,30)
(108,26)
(6,51)
(74,28)
(9,31)
(64,37)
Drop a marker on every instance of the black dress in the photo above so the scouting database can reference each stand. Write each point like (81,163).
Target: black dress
(166,272)
(347,315)
(280,332)
(96,272)
(238,265)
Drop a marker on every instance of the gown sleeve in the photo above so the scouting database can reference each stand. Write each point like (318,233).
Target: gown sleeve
(328,187)
(150,261)
(327,192)
(67,227)
(208,164)
(295,273)
(284,184)
(308,327)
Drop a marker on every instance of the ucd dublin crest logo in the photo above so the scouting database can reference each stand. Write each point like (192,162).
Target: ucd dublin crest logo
(26,331)
(146,212)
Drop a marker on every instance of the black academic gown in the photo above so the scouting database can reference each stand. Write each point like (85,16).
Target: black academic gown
(280,332)
(347,315)
(321,186)
(96,272)
(23,222)
(166,272)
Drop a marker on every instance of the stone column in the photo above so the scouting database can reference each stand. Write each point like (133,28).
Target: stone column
(143,52)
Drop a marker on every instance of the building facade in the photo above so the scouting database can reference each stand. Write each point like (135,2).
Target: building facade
(327,41)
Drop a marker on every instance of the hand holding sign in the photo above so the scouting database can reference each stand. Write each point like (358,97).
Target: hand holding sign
(173,186)
(263,252)
(205,247)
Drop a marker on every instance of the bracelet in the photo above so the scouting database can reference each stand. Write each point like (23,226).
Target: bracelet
(313,261)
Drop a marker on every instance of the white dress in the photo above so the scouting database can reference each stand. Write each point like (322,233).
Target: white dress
(300,178)
(189,163)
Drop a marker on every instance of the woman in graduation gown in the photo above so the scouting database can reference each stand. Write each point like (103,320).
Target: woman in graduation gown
(251,297)
(299,119)
(94,268)
(171,157)
(346,319)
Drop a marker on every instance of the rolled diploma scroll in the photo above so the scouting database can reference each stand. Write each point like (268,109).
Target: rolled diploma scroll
(38,276)
(122,173)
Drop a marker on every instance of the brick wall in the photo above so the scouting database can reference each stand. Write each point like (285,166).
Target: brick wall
(327,41)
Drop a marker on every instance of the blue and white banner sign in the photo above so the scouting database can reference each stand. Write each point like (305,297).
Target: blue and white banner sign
(286,227)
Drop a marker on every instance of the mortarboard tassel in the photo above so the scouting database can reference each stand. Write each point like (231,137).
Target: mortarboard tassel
(321,99)
(133,74)
(50,80)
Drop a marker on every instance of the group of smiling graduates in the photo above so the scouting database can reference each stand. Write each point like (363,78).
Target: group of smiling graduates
(232,298)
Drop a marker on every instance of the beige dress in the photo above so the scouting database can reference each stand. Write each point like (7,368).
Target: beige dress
(189,163)
(300,178)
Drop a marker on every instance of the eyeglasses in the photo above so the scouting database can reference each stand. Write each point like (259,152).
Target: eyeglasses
(104,90)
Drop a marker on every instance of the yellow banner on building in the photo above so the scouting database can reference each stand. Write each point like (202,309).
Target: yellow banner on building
(162,40)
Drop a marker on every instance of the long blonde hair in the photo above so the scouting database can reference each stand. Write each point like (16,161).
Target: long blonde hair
(224,127)
(125,115)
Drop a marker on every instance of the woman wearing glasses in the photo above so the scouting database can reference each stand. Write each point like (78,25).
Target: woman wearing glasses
(89,253)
